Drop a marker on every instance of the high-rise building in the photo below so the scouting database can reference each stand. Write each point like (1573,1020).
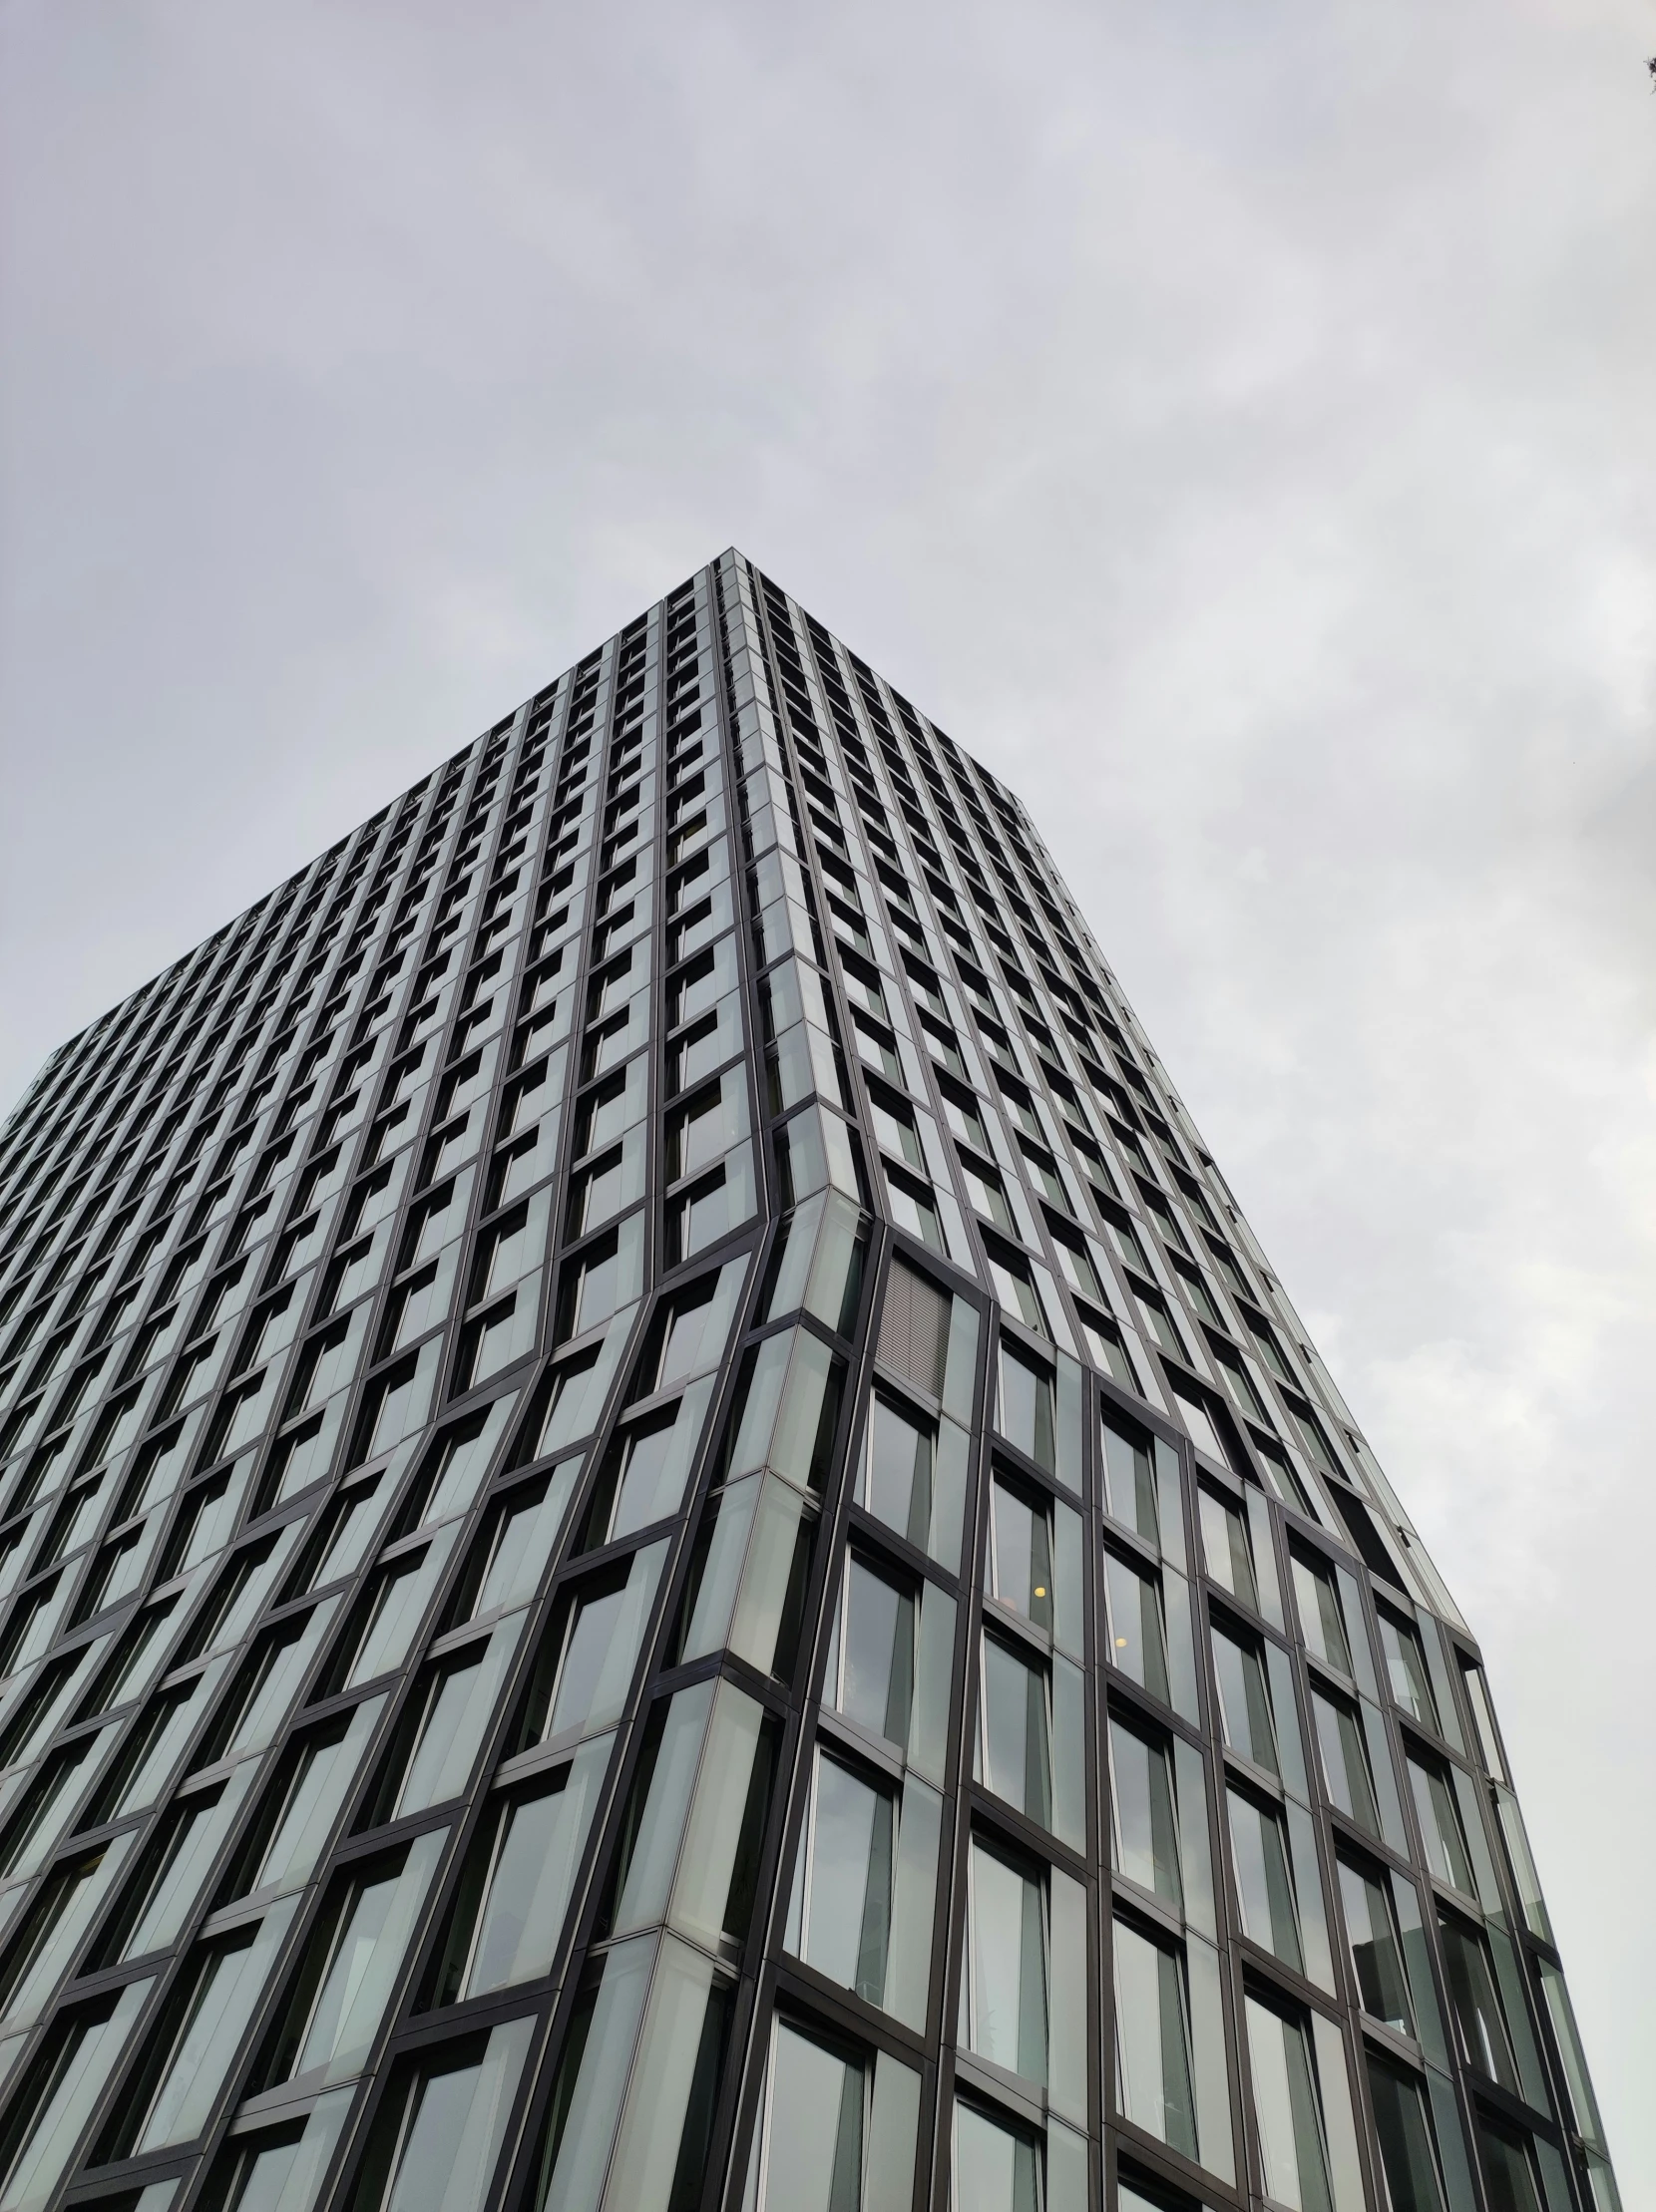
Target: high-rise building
(666,1547)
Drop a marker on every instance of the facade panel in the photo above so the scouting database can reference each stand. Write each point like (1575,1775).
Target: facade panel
(667,1548)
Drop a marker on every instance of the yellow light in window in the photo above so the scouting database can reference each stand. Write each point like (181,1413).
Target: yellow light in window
(1120,1644)
(1040,1589)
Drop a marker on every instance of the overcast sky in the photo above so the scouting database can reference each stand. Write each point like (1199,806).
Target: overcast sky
(1234,424)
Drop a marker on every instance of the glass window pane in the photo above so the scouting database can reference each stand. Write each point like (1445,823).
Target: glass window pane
(1145,1824)
(283,2170)
(223,1983)
(353,1963)
(1005,1995)
(1445,1847)
(1404,2139)
(1509,2171)
(848,1870)
(1152,2044)
(1014,1745)
(1377,1954)
(1021,1555)
(1322,1624)
(451,2122)
(897,1471)
(1130,1484)
(662,2145)
(871,1668)
(811,2151)
(76,2060)
(1138,1644)
(1291,2156)
(1406,1668)
(1264,1893)
(1244,1704)
(1225,1546)
(1479,2027)
(536,1846)
(996,2169)
(1345,1762)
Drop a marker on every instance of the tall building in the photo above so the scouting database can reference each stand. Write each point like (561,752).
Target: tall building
(667,1549)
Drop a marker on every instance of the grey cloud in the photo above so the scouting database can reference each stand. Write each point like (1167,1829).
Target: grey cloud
(1232,424)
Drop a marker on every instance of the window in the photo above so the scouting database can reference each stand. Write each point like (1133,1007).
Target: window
(1480,2027)
(1014,1753)
(1322,1624)
(438,2135)
(1225,1545)
(509,1555)
(1244,1701)
(1130,1484)
(836,2129)
(1197,1291)
(518,1880)
(283,2165)
(1102,1342)
(1376,1951)
(897,1470)
(985,1195)
(1292,2165)
(1404,2138)
(1012,1288)
(56,2097)
(191,2047)
(1138,1636)
(962,1112)
(1152,2040)
(351,1966)
(1044,1175)
(1405,1667)
(996,2167)
(586,1667)
(706,1128)
(1441,1830)
(1508,2168)
(912,1209)
(1264,1888)
(842,1919)
(1144,1844)
(1004,1987)
(1159,1322)
(871,1656)
(1477,1697)
(1230,1365)
(894,1129)
(291,1829)
(1345,1761)
(1021,1555)
(1025,1410)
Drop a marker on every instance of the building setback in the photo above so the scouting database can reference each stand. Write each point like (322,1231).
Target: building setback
(665,1546)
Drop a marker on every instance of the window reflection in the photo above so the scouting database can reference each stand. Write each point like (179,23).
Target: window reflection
(1375,1951)
(1020,1554)
(1152,2040)
(1479,2027)
(1287,2111)
(1137,1639)
(1264,1889)
(1004,1988)
(1145,1824)
(1320,1622)
(1244,1701)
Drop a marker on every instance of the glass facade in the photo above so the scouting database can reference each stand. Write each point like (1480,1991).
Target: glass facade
(664,1547)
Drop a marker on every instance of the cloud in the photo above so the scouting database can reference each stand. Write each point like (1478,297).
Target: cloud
(1233,426)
